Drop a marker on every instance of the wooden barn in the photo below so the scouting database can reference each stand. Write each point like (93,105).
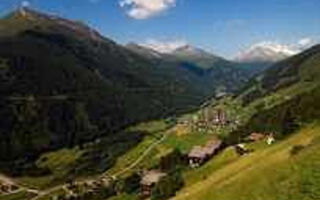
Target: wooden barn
(199,155)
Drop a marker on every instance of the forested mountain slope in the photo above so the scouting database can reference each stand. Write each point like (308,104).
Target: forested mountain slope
(62,83)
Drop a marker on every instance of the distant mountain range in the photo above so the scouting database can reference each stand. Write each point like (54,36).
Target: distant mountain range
(185,53)
(221,75)
(300,71)
(266,53)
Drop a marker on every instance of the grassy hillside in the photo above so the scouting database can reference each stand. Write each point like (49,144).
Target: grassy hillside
(17,196)
(272,104)
(290,168)
(286,170)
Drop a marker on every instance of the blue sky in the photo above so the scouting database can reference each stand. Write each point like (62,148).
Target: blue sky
(223,27)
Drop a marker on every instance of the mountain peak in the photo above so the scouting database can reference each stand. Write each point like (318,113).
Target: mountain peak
(186,47)
(22,11)
(266,52)
(30,13)
(25,13)
(189,50)
(143,50)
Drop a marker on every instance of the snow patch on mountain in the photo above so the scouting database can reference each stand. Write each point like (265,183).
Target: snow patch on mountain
(165,47)
(266,52)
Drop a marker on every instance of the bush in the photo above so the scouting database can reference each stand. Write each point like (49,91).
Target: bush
(132,183)
(172,162)
(296,149)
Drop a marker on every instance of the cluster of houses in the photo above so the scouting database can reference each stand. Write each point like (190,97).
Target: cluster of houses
(149,179)
(7,188)
(75,190)
(200,154)
(196,157)
(210,119)
(207,120)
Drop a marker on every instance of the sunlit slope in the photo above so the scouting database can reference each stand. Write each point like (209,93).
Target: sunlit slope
(290,169)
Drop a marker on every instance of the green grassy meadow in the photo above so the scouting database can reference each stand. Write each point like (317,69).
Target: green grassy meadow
(270,172)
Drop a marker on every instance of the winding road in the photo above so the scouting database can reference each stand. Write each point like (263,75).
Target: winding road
(42,193)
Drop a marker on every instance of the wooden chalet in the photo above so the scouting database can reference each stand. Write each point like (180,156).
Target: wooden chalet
(149,180)
(212,147)
(199,155)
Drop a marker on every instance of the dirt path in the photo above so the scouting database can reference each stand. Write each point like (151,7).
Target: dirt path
(43,193)
(131,166)
(11,181)
(145,153)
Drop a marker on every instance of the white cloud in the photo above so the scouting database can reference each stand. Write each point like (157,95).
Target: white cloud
(25,3)
(271,50)
(164,46)
(276,47)
(266,51)
(143,9)
(305,41)
(273,47)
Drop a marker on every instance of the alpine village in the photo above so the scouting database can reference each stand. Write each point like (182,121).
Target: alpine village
(85,118)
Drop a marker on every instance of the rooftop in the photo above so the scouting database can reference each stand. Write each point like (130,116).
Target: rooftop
(151,177)
(209,149)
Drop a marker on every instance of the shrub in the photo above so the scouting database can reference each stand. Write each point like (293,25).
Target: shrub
(132,183)
(172,161)
(296,149)
(168,186)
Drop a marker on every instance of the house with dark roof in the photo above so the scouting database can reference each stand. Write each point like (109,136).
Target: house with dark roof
(199,155)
